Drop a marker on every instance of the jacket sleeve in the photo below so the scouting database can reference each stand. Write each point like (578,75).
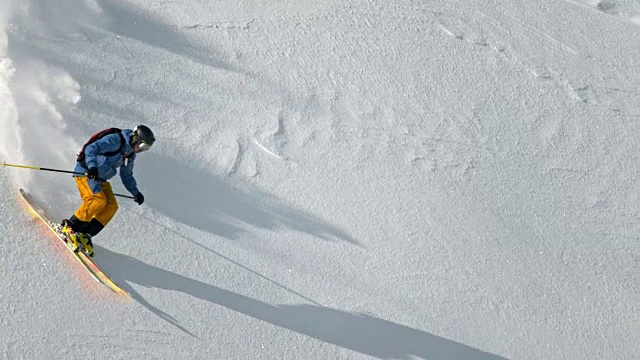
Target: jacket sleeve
(126,174)
(108,143)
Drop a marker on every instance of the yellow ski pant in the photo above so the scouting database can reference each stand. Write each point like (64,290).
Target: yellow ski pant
(101,206)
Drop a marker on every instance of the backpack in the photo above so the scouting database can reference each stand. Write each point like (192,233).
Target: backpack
(100,135)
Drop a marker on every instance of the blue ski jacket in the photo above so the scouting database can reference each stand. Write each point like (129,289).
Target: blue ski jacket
(108,166)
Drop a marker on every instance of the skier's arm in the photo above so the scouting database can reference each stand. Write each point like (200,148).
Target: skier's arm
(126,174)
(107,144)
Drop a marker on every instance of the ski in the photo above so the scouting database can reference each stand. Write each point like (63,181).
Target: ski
(82,257)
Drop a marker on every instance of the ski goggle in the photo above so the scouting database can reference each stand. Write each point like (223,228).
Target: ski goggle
(143,146)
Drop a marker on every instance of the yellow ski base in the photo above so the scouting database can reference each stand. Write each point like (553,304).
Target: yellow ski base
(85,260)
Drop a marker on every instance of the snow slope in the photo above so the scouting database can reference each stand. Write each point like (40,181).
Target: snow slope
(450,179)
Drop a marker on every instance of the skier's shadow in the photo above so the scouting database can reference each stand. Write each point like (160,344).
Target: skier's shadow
(358,332)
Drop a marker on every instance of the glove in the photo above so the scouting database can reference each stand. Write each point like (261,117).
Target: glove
(92,173)
(139,198)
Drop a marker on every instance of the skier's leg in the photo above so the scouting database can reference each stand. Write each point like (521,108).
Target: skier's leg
(106,214)
(75,224)
(92,203)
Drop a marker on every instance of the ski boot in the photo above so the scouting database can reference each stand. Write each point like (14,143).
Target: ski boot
(70,236)
(85,240)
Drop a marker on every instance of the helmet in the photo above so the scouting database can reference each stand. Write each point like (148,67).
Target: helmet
(142,134)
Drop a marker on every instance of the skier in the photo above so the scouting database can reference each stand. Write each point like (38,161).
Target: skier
(101,157)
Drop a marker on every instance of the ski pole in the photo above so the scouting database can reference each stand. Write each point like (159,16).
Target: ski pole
(43,169)
(125,196)
(58,170)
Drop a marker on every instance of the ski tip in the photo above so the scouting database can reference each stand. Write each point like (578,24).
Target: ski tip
(25,194)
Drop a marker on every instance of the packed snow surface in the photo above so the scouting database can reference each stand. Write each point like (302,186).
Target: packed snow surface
(448,179)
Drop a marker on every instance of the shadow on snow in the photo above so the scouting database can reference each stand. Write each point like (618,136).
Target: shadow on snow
(203,201)
(358,332)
